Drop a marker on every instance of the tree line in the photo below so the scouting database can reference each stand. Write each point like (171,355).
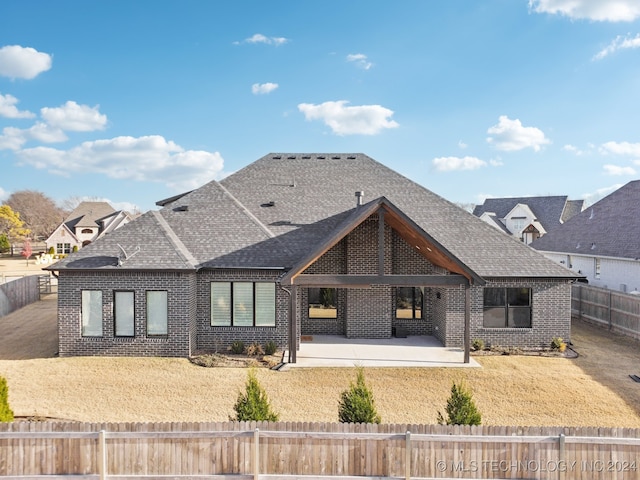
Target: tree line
(31,215)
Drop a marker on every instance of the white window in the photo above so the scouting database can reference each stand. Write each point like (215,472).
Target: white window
(124,316)
(243,304)
(91,313)
(157,313)
(62,248)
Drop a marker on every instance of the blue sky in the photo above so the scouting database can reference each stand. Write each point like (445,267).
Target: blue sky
(138,101)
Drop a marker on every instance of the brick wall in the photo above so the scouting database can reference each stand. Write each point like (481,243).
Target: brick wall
(211,338)
(550,315)
(368,313)
(181,314)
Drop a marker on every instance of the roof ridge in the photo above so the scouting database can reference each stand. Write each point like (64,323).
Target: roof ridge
(253,218)
(173,238)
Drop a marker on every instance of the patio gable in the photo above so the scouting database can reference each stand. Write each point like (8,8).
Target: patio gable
(384,220)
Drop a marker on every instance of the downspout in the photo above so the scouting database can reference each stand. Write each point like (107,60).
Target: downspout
(292,340)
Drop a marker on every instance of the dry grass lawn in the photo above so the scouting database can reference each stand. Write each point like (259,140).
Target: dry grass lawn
(591,390)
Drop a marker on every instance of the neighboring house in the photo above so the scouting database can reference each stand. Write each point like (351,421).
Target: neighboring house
(527,218)
(88,222)
(283,248)
(602,242)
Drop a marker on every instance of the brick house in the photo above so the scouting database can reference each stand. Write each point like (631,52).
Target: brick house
(85,224)
(283,248)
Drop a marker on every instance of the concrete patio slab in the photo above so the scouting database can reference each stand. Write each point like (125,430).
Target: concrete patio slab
(413,351)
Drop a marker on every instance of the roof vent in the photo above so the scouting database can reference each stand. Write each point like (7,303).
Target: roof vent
(351,157)
(321,157)
(181,208)
(268,204)
(359,197)
(336,157)
(593,246)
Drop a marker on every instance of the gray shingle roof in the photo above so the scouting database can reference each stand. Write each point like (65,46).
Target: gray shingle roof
(276,210)
(610,227)
(86,214)
(548,210)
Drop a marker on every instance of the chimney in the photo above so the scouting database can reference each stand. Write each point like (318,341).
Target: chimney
(359,197)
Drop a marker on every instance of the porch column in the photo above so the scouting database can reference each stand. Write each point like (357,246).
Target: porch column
(467,322)
(293,324)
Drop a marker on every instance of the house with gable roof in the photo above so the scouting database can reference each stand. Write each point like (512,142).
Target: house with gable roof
(527,218)
(306,244)
(85,224)
(602,242)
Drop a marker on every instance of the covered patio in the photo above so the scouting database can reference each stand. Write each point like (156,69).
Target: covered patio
(413,351)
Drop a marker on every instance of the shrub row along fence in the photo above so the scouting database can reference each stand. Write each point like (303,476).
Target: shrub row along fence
(617,311)
(18,293)
(314,450)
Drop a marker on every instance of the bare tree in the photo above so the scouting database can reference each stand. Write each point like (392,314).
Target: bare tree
(39,213)
(69,204)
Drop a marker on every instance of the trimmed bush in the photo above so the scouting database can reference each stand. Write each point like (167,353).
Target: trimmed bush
(6,414)
(270,347)
(255,349)
(558,344)
(237,347)
(253,404)
(461,409)
(52,251)
(478,345)
(357,404)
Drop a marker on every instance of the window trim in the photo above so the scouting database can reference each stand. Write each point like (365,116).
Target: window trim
(507,308)
(413,304)
(83,310)
(166,325)
(335,301)
(231,309)
(133,314)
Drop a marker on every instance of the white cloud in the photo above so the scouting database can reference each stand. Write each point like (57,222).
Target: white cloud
(617,170)
(448,164)
(45,133)
(8,108)
(596,10)
(260,38)
(21,62)
(496,162)
(12,138)
(74,117)
(621,148)
(509,136)
(360,60)
(620,43)
(590,198)
(344,120)
(263,88)
(462,145)
(150,158)
(578,152)
(3,194)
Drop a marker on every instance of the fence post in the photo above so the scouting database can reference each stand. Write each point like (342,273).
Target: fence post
(610,298)
(580,302)
(561,455)
(256,454)
(407,455)
(102,455)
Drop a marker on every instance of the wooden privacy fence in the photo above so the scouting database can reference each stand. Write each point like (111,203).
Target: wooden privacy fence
(617,311)
(18,293)
(314,451)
